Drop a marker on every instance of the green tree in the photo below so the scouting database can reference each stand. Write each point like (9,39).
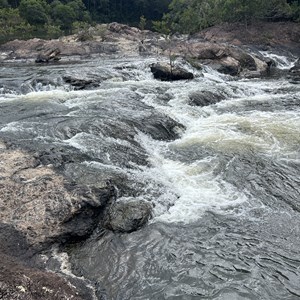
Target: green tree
(247,11)
(34,11)
(276,10)
(4,4)
(188,16)
(162,26)
(80,11)
(295,10)
(12,25)
(142,23)
(64,15)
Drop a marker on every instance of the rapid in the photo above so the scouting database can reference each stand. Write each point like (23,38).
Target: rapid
(224,182)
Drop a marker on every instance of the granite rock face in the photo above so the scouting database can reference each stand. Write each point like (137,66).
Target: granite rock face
(41,204)
(39,208)
(227,48)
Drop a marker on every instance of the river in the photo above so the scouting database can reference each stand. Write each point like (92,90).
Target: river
(224,183)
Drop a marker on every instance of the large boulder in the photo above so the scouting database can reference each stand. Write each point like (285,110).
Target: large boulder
(42,205)
(167,72)
(39,208)
(128,216)
(223,58)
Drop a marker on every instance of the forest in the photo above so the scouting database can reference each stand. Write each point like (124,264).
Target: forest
(52,18)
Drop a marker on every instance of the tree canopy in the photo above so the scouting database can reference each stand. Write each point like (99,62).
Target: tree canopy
(51,18)
(189,16)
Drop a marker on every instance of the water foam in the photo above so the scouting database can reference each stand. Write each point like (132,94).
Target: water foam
(195,185)
(282,62)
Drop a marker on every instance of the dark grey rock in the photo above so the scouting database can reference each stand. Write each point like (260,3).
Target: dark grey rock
(204,98)
(295,70)
(247,62)
(128,216)
(81,83)
(165,72)
(20,282)
(294,73)
(229,69)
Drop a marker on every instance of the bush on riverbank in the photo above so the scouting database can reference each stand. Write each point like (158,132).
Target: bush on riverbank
(190,16)
(47,19)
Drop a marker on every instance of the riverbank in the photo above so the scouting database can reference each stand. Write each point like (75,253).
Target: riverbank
(229,48)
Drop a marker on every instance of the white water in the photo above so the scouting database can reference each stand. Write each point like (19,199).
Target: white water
(282,62)
(186,189)
(226,192)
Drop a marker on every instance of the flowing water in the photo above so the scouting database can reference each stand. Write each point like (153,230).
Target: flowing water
(224,178)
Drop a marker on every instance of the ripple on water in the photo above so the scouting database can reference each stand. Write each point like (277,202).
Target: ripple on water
(215,258)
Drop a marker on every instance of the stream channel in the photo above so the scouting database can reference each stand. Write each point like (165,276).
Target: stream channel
(223,179)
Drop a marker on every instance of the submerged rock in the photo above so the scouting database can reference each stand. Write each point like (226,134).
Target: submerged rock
(204,98)
(81,83)
(128,216)
(166,72)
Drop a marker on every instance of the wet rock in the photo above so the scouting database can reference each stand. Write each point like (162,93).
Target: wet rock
(128,216)
(208,51)
(281,35)
(59,157)
(159,126)
(48,56)
(39,208)
(204,98)
(42,205)
(294,73)
(166,72)
(18,281)
(252,74)
(81,83)
(223,58)
(246,61)
(230,66)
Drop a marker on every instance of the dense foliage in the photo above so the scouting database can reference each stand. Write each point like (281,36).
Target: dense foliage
(189,16)
(51,18)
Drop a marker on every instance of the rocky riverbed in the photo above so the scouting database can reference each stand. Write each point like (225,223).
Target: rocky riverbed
(94,143)
(230,49)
